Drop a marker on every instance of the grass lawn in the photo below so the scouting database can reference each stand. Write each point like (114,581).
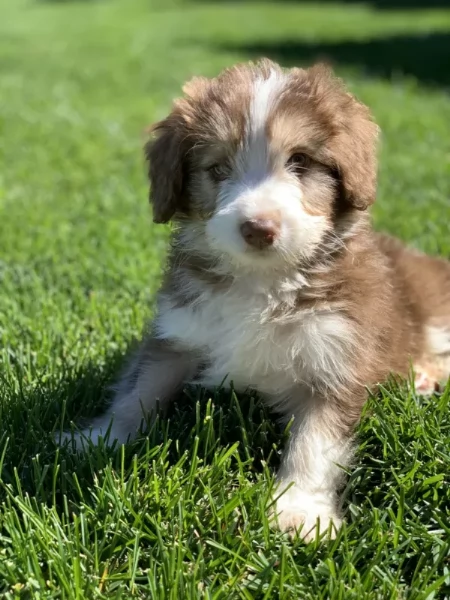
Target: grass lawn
(182,512)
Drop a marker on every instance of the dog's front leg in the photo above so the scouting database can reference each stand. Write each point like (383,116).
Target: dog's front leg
(320,443)
(153,378)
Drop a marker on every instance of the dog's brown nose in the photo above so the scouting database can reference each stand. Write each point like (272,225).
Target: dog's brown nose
(260,233)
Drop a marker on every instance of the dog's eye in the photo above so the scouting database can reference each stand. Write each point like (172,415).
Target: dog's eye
(298,163)
(218,172)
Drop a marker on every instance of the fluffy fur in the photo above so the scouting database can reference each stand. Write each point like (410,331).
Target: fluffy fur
(275,279)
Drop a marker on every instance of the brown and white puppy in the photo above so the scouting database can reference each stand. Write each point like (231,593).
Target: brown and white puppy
(275,280)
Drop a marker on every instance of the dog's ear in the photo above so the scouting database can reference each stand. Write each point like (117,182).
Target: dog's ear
(355,156)
(167,150)
(165,155)
(353,140)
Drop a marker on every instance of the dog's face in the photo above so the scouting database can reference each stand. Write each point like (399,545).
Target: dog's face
(263,162)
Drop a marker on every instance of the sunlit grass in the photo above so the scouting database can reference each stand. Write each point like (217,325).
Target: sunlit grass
(183,512)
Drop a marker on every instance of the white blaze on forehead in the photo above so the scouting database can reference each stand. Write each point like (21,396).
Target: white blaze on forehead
(265,94)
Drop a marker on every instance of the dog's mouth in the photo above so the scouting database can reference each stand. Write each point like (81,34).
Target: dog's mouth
(260,251)
(260,257)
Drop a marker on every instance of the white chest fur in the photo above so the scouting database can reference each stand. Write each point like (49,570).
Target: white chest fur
(246,346)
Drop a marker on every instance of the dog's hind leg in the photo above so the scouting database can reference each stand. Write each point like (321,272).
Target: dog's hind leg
(433,370)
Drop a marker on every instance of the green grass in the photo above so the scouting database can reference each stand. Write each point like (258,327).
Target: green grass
(182,513)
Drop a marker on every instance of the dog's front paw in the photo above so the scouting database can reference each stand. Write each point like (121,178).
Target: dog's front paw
(103,430)
(79,441)
(306,514)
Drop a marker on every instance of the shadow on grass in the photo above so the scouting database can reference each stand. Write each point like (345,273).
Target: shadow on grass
(402,4)
(378,4)
(425,57)
(208,421)
(199,422)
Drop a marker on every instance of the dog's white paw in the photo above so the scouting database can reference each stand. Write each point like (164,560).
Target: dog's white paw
(301,512)
(79,441)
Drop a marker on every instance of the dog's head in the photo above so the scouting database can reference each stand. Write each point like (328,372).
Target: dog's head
(263,162)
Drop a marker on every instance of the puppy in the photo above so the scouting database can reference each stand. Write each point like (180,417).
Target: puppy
(275,280)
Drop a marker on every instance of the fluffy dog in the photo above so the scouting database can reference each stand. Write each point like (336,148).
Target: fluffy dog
(275,280)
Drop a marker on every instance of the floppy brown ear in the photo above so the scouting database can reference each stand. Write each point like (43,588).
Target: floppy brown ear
(165,169)
(353,141)
(355,155)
